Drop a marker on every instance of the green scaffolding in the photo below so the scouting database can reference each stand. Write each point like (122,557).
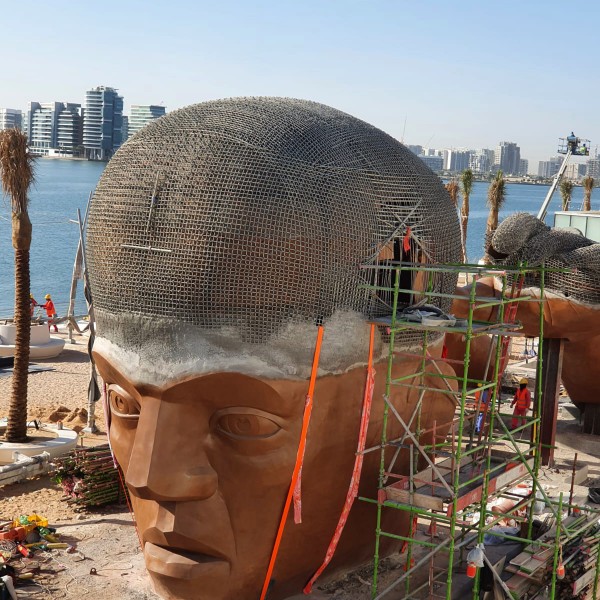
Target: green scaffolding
(491,476)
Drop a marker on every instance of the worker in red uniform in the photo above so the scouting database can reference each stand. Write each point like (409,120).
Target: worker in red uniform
(50,311)
(521,402)
(32,303)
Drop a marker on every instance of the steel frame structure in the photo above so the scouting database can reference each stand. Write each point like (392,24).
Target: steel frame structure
(462,472)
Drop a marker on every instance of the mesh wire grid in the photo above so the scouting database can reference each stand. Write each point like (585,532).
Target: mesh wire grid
(573,261)
(248,212)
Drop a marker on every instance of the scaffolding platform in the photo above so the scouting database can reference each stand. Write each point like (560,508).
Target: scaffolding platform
(454,475)
(429,494)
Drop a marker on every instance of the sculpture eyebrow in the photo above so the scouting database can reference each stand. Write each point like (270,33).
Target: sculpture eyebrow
(268,400)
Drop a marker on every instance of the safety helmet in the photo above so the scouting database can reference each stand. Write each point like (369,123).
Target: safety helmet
(523,380)
(47,296)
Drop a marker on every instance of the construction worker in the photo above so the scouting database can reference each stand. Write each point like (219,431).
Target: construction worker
(522,400)
(32,303)
(50,311)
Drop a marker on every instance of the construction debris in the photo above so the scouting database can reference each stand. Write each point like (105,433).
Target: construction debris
(571,563)
(89,477)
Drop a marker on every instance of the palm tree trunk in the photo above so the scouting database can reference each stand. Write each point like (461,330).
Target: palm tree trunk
(464,222)
(17,415)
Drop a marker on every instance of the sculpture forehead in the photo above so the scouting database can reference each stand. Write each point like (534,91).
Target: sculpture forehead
(248,213)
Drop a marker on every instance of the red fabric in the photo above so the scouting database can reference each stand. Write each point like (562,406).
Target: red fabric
(519,417)
(406,241)
(294,489)
(356,472)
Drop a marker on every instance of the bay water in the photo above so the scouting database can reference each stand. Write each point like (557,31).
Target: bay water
(63,186)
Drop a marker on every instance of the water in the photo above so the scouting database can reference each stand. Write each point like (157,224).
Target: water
(60,188)
(63,186)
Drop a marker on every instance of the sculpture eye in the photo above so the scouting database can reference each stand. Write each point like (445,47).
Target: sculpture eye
(121,403)
(246,426)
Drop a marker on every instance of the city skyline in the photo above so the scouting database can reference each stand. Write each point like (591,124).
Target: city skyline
(439,75)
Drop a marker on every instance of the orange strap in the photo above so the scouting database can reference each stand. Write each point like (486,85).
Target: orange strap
(299,458)
(358,462)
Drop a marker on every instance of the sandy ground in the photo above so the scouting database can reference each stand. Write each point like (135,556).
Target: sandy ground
(105,539)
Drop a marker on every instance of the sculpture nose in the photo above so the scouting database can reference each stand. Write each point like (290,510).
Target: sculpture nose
(167,463)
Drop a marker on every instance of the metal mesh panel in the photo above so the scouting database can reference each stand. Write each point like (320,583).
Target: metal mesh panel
(523,238)
(247,212)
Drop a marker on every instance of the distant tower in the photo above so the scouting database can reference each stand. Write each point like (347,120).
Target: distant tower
(54,128)
(102,123)
(508,158)
(142,114)
(125,129)
(10,118)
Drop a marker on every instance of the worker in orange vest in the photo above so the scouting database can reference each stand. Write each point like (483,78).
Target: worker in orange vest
(522,400)
(50,311)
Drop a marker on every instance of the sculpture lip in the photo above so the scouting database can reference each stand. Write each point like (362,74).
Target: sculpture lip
(181,563)
(180,545)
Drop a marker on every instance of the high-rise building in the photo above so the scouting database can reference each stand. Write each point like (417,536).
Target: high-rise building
(54,128)
(457,160)
(435,163)
(11,118)
(481,160)
(593,167)
(523,166)
(575,171)
(507,158)
(142,114)
(125,128)
(102,122)
(549,168)
(415,149)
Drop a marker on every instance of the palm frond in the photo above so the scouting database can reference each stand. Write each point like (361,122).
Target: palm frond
(453,189)
(16,168)
(566,191)
(588,186)
(466,180)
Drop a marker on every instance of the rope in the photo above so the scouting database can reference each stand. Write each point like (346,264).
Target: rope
(299,458)
(358,463)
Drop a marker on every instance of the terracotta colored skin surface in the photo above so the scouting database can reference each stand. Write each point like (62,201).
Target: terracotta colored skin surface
(577,324)
(208,462)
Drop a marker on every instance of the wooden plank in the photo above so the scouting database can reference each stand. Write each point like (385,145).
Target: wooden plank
(420,500)
(518,560)
(583,581)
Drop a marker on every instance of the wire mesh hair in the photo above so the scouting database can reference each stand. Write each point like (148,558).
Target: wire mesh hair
(572,259)
(248,212)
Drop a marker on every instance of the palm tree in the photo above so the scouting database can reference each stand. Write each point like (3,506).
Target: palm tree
(467,185)
(566,191)
(588,184)
(495,200)
(16,172)
(453,188)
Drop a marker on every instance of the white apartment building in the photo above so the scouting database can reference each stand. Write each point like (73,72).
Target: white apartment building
(11,118)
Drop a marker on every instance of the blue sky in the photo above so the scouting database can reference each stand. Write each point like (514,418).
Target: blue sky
(460,74)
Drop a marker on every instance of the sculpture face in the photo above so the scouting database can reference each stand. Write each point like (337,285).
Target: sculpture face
(218,236)
(208,461)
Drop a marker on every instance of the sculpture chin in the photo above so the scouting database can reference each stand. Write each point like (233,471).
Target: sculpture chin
(180,575)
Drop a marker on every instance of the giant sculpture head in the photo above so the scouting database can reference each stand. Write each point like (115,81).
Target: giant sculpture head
(218,237)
